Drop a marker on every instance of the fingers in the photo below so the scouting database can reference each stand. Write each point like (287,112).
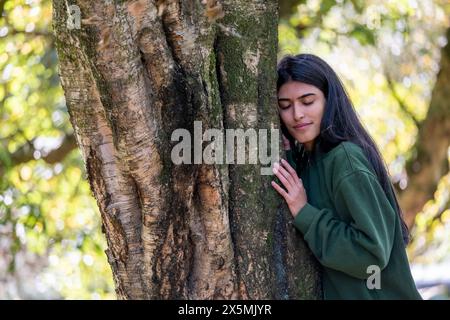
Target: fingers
(283,175)
(277,171)
(286,174)
(293,173)
(280,190)
(288,167)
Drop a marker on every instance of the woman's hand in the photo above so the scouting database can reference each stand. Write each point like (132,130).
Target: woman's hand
(295,196)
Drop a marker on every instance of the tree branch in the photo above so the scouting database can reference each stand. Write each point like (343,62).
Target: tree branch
(2,7)
(286,7)
(26,151)
(34,33)
(399,100)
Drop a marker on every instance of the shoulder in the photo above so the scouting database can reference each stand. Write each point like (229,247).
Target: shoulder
(346,159)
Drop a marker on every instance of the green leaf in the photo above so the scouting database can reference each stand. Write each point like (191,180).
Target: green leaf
(5,158)
(326,6)
(358,5)
(364,35)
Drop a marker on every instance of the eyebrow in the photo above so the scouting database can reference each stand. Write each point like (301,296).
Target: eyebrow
(303,96)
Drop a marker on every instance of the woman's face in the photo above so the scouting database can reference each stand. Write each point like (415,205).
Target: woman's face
(301,108)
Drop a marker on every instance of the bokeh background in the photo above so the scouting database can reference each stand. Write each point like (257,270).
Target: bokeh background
(388,54)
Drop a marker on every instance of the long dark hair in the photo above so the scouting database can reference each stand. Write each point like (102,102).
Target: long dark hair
(339,122)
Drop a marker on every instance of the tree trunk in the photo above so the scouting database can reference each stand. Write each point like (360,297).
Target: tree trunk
(133,73)
(429,162)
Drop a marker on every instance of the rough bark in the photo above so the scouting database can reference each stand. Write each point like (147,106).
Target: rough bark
(135,72)
(429,162)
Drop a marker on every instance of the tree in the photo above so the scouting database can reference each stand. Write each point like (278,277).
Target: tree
(133,73)
(430,158)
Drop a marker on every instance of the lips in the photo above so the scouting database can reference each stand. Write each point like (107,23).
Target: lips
(302,125)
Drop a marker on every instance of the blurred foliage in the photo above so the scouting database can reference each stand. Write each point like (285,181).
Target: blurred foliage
(387,53)
(51,244)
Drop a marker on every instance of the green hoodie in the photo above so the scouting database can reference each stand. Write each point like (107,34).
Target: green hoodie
(352,227)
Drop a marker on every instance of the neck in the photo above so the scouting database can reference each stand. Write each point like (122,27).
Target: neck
(309,145)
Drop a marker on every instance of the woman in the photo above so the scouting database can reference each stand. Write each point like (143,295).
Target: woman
(337,187)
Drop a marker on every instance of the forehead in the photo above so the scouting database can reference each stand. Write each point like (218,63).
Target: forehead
(294,89)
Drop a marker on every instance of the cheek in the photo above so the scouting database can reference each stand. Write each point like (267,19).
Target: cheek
(318,112)
(284,115)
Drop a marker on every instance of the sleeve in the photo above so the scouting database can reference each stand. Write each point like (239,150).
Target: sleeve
(366,240)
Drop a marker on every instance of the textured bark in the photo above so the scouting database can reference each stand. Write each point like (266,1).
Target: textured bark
(133,73)
(429,162)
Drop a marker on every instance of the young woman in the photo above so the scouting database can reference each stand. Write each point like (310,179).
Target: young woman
(337,187)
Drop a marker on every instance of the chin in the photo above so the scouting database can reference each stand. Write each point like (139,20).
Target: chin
(306,141)
(303,139)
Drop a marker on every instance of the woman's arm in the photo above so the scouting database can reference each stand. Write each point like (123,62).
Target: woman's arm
(351,247)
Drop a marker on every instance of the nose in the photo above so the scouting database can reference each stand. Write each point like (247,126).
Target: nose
(298,112)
